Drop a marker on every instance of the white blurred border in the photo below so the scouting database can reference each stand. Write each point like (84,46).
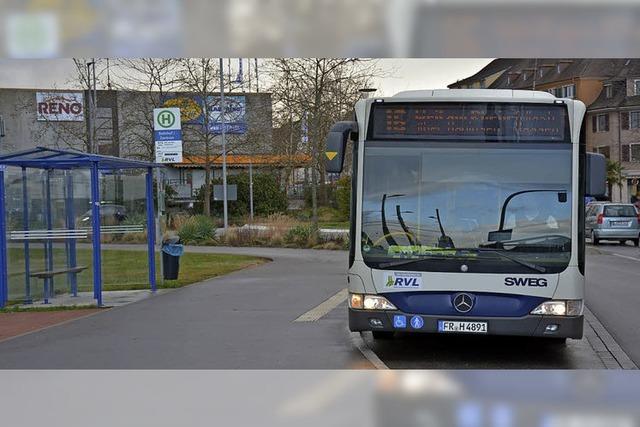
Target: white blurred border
(320,398)
(337,28)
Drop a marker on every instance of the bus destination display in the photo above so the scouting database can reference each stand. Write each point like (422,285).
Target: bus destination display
(471,121)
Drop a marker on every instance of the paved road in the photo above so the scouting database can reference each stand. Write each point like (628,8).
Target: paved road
(613,293)
(247,320)
(243,320)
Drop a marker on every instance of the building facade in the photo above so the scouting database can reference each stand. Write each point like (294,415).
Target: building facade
(610,88)
(123,124)
(124,127)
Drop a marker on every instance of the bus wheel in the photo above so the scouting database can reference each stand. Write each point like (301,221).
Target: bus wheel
(382,335)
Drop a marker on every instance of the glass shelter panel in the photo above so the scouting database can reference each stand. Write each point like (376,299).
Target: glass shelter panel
(123,221)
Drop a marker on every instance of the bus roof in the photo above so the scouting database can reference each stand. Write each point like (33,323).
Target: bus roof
(474,93)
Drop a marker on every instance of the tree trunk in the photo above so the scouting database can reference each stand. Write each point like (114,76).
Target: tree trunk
(206,203)
(314,185)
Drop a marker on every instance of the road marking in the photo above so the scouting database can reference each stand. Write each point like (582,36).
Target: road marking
(370,355)
(625,256)
(324,308)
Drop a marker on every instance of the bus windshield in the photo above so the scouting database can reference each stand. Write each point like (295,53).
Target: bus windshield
(479,207)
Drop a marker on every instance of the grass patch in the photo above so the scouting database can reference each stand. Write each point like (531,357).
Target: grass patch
(121,270)
(196,267)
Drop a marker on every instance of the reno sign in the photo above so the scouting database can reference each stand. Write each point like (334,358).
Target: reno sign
(60,106)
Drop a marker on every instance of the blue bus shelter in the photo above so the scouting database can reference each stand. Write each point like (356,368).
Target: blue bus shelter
(65,232)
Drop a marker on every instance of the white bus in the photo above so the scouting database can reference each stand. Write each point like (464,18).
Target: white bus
(467,212)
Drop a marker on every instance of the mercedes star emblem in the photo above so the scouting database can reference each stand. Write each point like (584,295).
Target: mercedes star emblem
(463,303)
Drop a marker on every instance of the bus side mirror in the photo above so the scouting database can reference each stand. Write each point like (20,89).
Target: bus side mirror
(337,145)
(596,171)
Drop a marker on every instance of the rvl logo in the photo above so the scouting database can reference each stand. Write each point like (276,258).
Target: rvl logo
(406,280)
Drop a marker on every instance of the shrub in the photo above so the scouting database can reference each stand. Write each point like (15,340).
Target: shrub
(302,236)
(135,218)
(197,229)
(268,197)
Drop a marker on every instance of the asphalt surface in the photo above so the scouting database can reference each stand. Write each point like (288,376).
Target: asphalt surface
(242,320)
(613,292)
(248,320)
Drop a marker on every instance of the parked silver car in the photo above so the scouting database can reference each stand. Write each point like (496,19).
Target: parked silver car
(612,221)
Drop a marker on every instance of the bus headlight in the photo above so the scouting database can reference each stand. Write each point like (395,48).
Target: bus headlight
(370,302)
(559,308)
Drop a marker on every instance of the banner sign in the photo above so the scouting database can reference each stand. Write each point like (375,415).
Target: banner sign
(167,133)
(193,107)
(60,106)
(234,114)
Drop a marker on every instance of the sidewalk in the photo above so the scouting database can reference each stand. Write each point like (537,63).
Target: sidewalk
(15,324)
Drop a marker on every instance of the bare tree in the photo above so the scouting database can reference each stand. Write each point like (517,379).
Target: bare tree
(72,134)
(200,77)
(319,91)
(145,83)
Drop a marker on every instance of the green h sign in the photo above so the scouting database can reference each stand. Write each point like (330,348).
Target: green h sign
(166,119)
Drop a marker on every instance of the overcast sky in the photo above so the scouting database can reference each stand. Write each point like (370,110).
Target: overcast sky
(403,74)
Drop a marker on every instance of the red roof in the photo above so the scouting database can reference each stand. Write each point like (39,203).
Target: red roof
(242,160)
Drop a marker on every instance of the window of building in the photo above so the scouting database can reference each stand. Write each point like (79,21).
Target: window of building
(569,91)
(634,120)
(608,91)
(630,119)
(600,123)
(636,87)
(635,152)
(605,150)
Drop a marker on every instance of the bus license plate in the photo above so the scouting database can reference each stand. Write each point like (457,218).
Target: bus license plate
(463,327)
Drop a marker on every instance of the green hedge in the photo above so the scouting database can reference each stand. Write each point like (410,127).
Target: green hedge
(268,197)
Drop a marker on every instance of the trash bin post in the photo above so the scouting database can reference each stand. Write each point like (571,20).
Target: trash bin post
(171,253)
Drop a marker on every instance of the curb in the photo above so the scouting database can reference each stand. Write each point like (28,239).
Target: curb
(605,346)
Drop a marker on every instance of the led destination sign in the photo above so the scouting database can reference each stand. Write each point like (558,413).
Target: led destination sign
(471,121)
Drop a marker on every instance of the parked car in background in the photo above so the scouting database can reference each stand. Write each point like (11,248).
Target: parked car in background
(110,214)
(612,221)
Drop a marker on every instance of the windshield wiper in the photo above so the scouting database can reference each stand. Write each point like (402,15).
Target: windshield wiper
(532,266)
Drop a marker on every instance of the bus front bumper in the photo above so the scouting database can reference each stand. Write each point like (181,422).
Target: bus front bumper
(531,325)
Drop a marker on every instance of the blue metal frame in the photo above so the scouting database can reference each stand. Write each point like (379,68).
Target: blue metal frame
(49,291)
(95,238)
(51,159)
(4,282)
(25,226)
